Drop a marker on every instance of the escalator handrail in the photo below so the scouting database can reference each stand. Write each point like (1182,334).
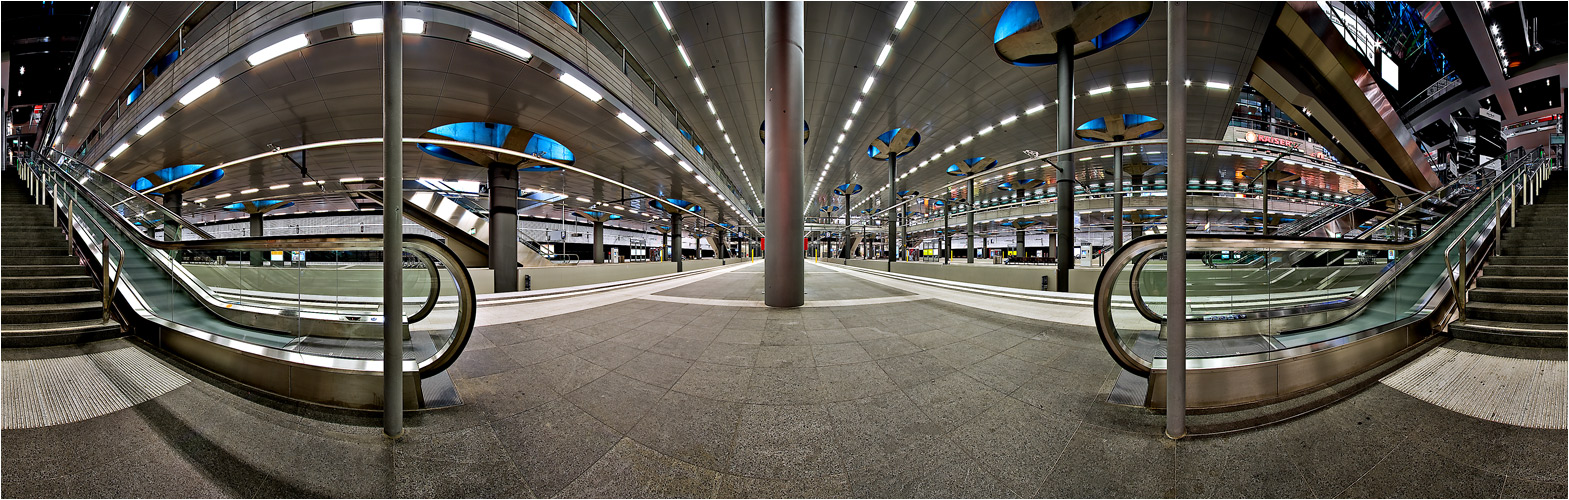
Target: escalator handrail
(1413,205)
(1153,242)
(467,304)
(168,215)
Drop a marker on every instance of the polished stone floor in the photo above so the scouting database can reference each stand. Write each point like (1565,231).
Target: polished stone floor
(650,398)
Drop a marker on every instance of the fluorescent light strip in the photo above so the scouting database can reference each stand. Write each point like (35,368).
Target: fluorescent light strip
(285,46)
(711,109)
(904,16)
(199,91)
(883,56)
(1036,109)
(279,186)
(85,83)
(151,124)
(70,113)
(498,44)
(99,59)
(662,17)
(372,26)
(347,180)
(867,87)
(682,49)
(699,81)
(119,19)
(1139,85)
(581,87)
(627,119)
(119,149)
(249,191)
(666,149)
(1101,90)
(1218,85)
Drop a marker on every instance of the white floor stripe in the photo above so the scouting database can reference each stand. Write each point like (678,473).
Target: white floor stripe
(1522,392)
(759,303)
(511,313)
(44,392)
(1073,315)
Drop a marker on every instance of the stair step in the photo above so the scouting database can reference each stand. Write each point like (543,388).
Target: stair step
(6,253)
(61,333)
(1503,332)
(50,295)
(40,260)
(1525,282)
(44,282)
(50,313)
(1533,251)
(1539,271)
(34,270)
(1558,297)
(1517,313)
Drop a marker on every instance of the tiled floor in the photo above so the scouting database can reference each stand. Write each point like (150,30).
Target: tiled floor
(643,398)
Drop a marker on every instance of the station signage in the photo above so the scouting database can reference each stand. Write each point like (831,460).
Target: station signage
(1251,136)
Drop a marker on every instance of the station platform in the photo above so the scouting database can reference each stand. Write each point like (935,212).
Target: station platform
(686,387)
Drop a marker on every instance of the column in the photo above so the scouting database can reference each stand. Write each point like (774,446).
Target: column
(1065,162)
(392,218)
(256,230)
(599,242)
(1018,236)
(784,272)
(969,223)
(1176,221)
(1116,199)
(893,211)
(675,240)
(171,226)
(503,226)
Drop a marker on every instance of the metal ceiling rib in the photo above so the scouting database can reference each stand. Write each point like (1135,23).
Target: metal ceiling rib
(943,77)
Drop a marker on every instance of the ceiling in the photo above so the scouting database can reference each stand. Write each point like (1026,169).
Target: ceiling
(943,78)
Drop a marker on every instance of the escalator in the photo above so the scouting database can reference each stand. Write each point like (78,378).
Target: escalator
(463,227)
(305,325)
(1295,321)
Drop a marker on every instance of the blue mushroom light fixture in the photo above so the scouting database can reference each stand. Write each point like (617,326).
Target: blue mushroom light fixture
(172,183)
(498,136)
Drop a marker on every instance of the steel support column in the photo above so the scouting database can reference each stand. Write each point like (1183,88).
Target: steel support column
(256,230)
(1065,127)
(969,223)
(675,241)
(947,236)
(784,162)
(1176,221)
(503,227)
(172,201)
(599,242)
(1116,199)
(392,218)
(893,212)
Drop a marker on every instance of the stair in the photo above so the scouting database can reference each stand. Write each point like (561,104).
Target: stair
(1522,296)
(47,297)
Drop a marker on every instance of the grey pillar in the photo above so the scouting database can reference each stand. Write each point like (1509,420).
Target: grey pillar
(1018,236)
(675,240)
(1268,184)
(1116,199)
(848,251)
(171,226)
(1176,221)
(1065,162)
(256,230)
(947,236)
(503,227)
(599,243)
(664,246)
(784,164)
(969,224)
(392,218)
(904,232)
(893,211)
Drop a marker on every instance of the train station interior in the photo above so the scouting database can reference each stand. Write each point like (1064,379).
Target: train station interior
(784,249)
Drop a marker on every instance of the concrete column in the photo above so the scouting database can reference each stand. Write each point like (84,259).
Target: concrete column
(664,246)
(256,230)
(1018,237)
(969,224)
(599,242)
(1116,199)
(947,235)
(171,227)
(675,240)
(503,226)
(1065,162)
(392,218)
(784,164)
(1176,221)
